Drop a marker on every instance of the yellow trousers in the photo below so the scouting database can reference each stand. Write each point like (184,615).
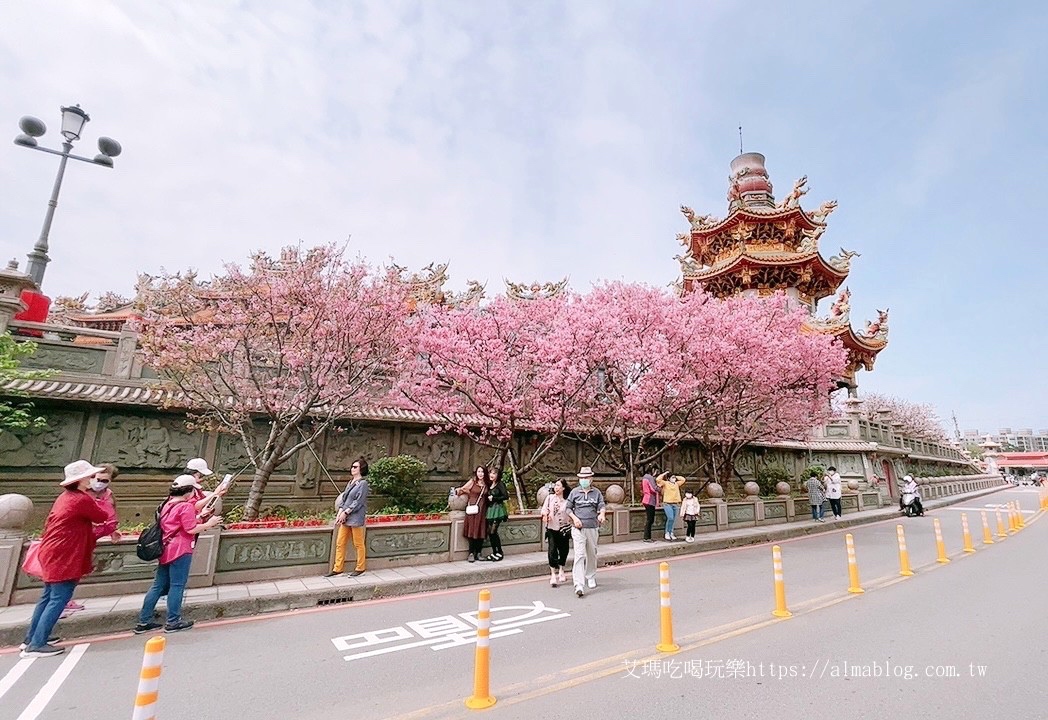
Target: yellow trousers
(358,544)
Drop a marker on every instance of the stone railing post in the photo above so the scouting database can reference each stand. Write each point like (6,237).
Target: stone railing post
(14,512)
(125,354)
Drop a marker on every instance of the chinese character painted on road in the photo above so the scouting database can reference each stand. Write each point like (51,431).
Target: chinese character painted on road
(446,631)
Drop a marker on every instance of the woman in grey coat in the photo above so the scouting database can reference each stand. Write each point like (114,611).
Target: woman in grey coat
(350,520)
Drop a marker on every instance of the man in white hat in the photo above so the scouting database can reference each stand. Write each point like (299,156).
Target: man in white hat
(197,467)
(585,506)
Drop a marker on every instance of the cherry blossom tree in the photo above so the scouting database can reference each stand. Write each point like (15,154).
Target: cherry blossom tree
(725,372)
(765,379)
(918,420)
(489,372)
(645,382)
(294,342)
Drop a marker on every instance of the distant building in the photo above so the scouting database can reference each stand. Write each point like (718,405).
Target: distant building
(1023,439)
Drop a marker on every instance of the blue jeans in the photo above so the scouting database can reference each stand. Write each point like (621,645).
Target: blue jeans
(50,605)
(671,510)
(816,512)
(170,580)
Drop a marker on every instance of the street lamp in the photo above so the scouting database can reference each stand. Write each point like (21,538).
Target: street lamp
(73,121)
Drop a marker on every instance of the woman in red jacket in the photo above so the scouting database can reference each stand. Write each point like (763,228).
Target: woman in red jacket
(65,553)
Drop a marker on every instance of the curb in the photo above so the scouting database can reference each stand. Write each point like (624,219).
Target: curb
(119,621)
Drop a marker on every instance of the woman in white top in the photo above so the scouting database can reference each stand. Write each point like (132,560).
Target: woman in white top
(833,491)
(558,530)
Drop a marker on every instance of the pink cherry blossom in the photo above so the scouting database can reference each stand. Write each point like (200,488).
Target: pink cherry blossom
(294,342)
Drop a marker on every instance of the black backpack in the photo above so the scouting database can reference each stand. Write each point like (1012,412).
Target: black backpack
(151,542)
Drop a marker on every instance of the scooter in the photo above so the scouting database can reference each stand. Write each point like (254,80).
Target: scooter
(911,505)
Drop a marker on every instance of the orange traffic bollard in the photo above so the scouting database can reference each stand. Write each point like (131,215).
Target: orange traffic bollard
(987,533)
(1001,534)
(853,566)
(904,556)
(149,680)
(1020,519)
(481,697)
(666,643)
(780,585)
(1013,524)
(940,547)
(968,547)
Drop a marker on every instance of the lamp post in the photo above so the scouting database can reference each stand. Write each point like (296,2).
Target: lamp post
(73,121)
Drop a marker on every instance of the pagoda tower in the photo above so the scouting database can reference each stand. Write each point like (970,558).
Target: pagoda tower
(763,247)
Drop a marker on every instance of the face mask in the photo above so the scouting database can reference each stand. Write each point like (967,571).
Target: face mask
(98,485)
(584,483)
(687,495)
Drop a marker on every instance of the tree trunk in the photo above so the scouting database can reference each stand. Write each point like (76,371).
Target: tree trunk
(258,489)
(518,481)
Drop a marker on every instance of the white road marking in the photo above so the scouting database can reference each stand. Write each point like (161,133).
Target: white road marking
(13,674)
(38,703)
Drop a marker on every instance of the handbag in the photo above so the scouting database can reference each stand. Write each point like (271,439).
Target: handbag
(472,509)
(31,565)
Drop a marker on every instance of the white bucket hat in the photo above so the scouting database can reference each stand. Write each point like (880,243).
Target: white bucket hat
(585,472)
(185,481)
(77,471)
(200,465)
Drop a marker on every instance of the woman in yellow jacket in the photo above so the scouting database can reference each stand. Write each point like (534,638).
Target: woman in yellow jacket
(670,486)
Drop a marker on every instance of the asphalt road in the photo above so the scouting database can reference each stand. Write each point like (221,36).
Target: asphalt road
(555,655)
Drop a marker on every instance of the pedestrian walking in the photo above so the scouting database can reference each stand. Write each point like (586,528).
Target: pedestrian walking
(351,519)
(670,486)
(649,499)
(65,554)
(496,512)
(834,491)
(690,510)
(475,527)
(585,507)
(100,490)
(558,530)
(179,526)
(816,495)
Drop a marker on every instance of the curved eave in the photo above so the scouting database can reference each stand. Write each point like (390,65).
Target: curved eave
(848,338)
(771,259)
(760,215)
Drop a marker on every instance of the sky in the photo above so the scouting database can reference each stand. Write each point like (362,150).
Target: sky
(541,140)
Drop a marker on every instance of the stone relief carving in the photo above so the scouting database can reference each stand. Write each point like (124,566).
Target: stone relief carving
(81,360)
(562,459)
(145,442)
(231,455)
(685,459)
(345,446)
(406,542)
(54,446)
(235,554)
(518,533)
(443,453)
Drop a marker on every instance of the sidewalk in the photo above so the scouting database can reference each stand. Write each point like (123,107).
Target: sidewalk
(104,615)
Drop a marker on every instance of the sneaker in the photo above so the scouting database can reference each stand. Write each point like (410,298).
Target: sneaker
(178,626)
(649,540)
(355,573)
(333,573)
(553,581)
(579,591)
(560,576)
(43,651)
(668,536)
(66,613)
(50,641)
(689,539)
(146,627)
(73,605)
(591,583)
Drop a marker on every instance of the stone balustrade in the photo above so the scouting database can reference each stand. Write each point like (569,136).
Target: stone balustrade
(239,556)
